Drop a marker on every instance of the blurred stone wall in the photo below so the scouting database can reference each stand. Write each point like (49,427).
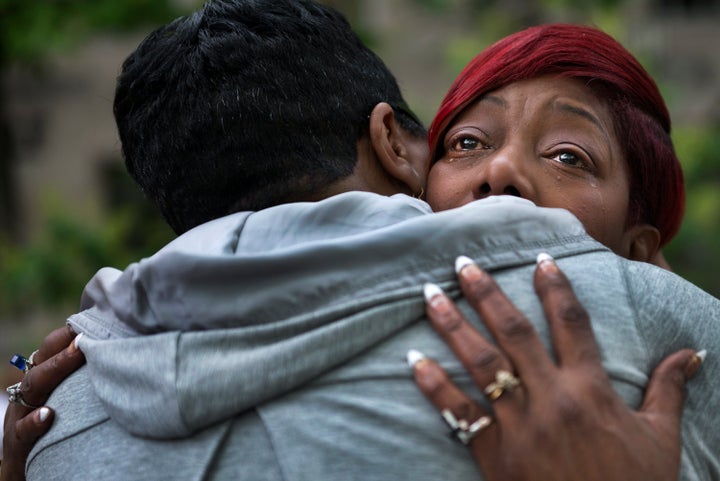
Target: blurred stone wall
(62,113)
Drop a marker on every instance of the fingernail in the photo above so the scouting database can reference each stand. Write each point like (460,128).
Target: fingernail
(467,269)
(75,345)
(413,357)
(461,263)
(43,414)
(695,362)
(436,298)
(546,263)
(431,291)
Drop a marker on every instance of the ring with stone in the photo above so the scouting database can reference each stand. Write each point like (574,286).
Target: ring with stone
(462,430)
(504,381)
(15,396)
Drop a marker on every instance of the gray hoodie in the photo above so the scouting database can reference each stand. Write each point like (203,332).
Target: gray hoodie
(304,312)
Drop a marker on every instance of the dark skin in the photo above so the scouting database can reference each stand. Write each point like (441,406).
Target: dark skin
(56,359)
(387,160)
(565,421)
(590,433)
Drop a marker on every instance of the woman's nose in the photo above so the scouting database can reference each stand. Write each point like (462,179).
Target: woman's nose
(503,174)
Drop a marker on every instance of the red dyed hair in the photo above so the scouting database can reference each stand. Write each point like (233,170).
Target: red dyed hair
(640,117)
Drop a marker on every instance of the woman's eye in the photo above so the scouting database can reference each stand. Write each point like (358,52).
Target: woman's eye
(569,158)
(466,143)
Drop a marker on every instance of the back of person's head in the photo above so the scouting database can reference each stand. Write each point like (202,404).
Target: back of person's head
(642,121)
(247,104)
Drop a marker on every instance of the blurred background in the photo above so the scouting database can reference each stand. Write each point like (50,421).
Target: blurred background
(67,207)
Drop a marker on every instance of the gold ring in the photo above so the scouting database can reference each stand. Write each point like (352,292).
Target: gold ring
(504,381)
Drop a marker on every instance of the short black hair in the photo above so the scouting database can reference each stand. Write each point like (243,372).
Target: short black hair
(247,104)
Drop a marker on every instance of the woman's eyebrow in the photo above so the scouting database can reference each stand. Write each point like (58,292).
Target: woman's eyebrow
(495,100)
(586,114)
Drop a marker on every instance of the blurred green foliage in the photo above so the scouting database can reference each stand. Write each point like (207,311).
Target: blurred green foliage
(695,252)
(29,30)
(52,270)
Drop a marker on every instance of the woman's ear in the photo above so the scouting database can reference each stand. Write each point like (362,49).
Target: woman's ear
(402,155)
(643,243)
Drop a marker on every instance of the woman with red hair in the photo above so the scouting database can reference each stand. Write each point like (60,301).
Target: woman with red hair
(564,116)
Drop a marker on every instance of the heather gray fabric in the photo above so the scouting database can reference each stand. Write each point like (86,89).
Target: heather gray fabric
(306,332)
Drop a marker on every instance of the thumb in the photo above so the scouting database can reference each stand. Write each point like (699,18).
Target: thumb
(665,394)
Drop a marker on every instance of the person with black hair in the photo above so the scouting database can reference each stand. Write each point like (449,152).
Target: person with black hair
(249,104)
(267,343)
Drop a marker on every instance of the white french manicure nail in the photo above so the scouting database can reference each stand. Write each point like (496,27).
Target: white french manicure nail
(44,413)
(542,257)
(701,355)
(77,340)
(431,290)
(462,262)
(413,357)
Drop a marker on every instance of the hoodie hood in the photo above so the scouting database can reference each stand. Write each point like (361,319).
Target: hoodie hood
(250,306)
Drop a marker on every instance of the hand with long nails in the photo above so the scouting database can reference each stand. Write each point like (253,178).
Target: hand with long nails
(57,358)
(552,419)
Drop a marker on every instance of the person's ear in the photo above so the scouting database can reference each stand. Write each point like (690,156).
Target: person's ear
(643,243)
(403,156)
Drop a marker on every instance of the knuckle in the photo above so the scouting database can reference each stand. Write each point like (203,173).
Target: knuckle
(434,386)
(464,409)
(514,327)
(432,380)
(675,378)
(448,321)
(54,364)
(551,283)
(569,411)
(485,360)
(25,433)
(542,433)
(572,313)
(27,383)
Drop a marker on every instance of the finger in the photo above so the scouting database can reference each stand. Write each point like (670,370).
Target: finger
(21,431)
(437,386)
(54,342)
(572,334)
(513,332)
(665,393)
(480,357)
(29,428)
(41,380)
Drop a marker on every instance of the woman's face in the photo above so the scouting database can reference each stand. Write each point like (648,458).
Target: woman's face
(549,140)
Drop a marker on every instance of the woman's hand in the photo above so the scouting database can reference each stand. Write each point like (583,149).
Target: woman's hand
(57,358)
(563,421)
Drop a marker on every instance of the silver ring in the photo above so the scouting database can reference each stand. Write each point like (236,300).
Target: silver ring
(15,396)
(504,381)
(31,360)
(461,429)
